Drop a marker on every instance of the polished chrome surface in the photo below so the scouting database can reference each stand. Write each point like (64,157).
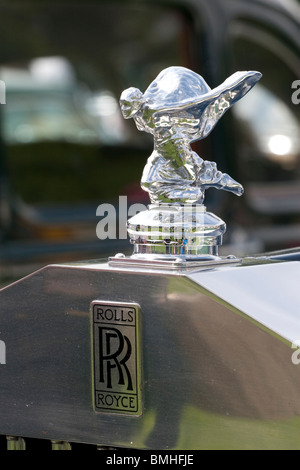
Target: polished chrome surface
(179,108)
(170,263)
(216,361)
(267,293)
(174,229)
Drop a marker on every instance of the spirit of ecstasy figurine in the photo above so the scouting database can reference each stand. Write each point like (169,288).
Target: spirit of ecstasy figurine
(179,108)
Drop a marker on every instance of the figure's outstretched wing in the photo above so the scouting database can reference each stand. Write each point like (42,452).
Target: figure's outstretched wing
(203,111)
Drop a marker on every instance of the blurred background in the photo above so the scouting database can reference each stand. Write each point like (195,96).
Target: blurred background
(65,148)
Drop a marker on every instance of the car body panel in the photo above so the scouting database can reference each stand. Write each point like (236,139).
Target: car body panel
(215,353)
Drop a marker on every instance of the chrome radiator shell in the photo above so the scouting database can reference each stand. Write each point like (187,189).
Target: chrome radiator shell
(215,351)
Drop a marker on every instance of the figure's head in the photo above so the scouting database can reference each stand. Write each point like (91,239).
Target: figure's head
(131,101)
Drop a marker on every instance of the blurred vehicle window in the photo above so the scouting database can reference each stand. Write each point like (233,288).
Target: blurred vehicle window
(64,70)
(269,123)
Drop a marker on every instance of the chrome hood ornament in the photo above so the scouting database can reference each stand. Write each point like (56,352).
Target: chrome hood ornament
(179,108)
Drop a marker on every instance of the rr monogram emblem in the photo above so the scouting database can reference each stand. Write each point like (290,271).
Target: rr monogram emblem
(116,357)
(114,351)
